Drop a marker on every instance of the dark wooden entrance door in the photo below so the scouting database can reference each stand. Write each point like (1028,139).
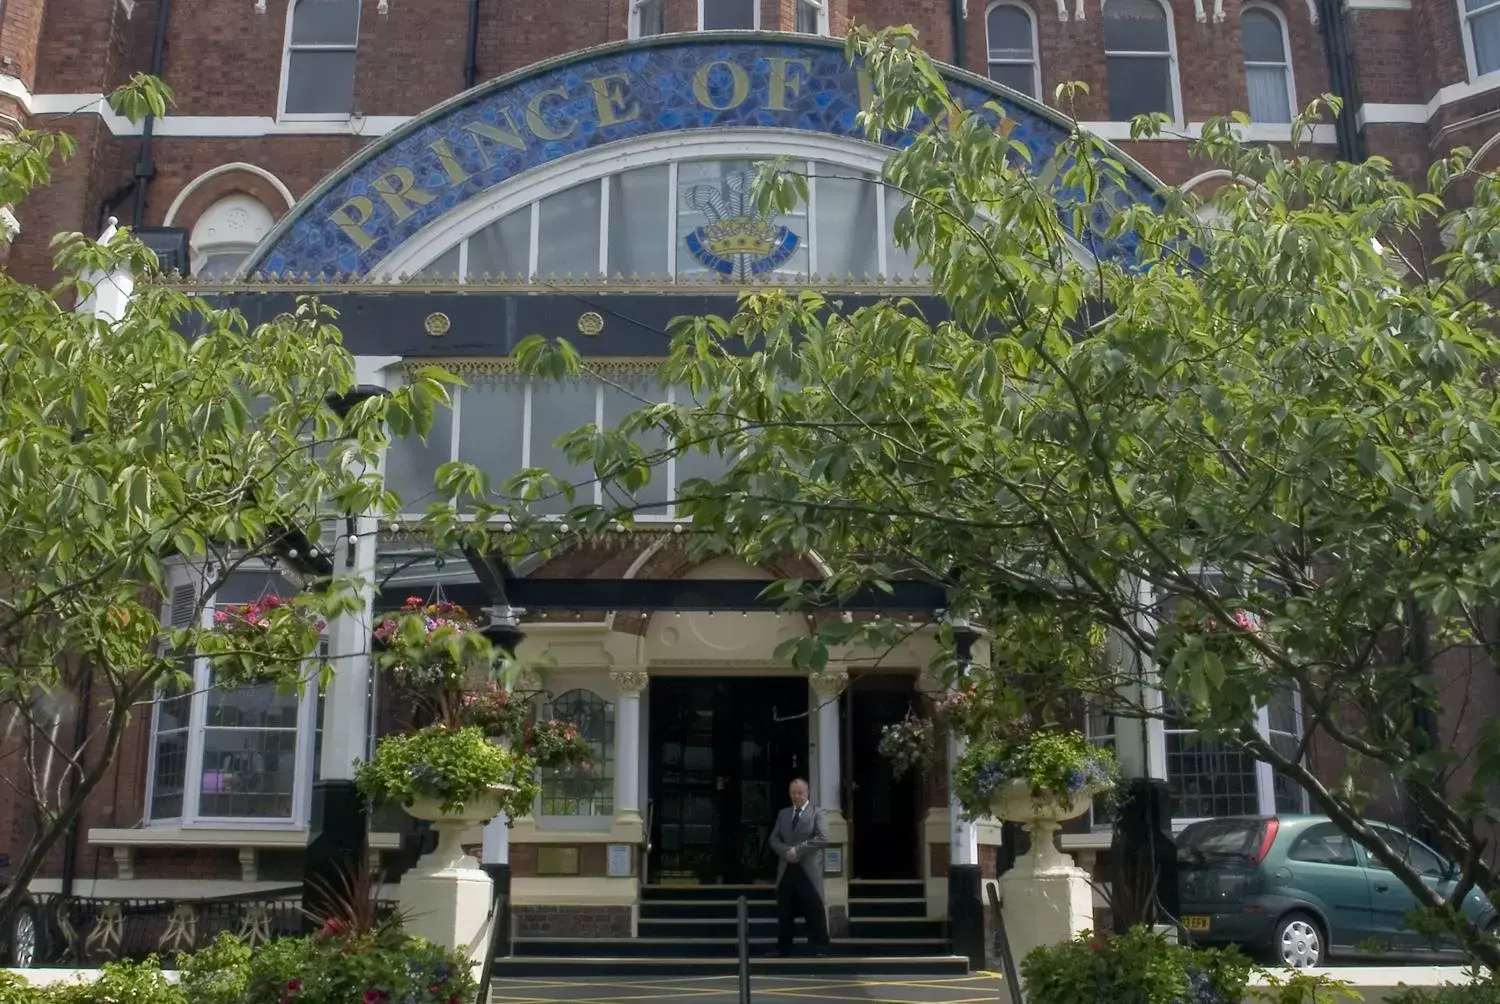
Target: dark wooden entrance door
(723,751)
(885,817)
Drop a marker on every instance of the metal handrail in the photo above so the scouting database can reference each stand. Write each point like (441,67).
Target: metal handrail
(499,910)
(742,916)
(646,841)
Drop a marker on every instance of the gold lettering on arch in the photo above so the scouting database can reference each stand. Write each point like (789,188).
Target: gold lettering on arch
(739,89)
(538,125)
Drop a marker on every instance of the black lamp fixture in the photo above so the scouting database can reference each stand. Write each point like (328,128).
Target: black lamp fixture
(504,627)
(343,404)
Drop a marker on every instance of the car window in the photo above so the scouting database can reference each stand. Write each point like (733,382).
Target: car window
(1324,844)
(1220,838)
(1423,860)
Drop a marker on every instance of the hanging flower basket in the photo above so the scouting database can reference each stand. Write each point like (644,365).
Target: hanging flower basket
(431,645)
(909,744)
(495,711)
(557,744)
(268,640)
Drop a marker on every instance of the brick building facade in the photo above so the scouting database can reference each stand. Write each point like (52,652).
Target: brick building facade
(284,150)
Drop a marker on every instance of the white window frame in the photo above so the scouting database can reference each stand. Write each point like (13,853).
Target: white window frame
(821,6)
(200,250)
(1286,55)
(1265,774)
(181,574)
(1178,113)
(1105,740)
(755,14)
(1036,56)
(1465,17)
(602,821)
(286,68)
(635,17)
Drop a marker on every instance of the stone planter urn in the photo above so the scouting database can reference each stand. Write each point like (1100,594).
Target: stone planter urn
(446,895)
(1045,898)
(1042,814)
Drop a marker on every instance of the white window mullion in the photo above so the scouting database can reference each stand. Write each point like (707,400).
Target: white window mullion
(598,428)
(536,244)
(454,430)
(604,228)
(526,424)
(1264,775)
(463,260)
(192,781)
(672,220)
(672,462)
(812,214)
(883,228)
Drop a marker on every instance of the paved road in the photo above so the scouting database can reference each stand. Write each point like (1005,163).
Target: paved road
(982,988)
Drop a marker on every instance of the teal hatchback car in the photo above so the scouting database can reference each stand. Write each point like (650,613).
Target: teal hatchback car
(1297,889)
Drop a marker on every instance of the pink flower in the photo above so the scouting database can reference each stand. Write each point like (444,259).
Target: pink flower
(373,996)
(294,985)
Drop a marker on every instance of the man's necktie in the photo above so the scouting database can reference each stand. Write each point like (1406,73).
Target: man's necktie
(796,815)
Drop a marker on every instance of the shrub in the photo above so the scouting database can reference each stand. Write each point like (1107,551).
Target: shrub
(119,983)
(1482,992)
(1140,967)
(385,968)
(218,973)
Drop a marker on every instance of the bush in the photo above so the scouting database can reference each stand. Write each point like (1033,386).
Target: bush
(119,983)
(1483,992)
(385,968)
(389,968)
(218,973)
(1141,967)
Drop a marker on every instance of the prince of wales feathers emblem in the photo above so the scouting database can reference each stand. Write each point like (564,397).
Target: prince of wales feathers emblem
(737,240)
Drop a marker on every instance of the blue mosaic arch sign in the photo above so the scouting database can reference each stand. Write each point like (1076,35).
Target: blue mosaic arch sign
(462,148)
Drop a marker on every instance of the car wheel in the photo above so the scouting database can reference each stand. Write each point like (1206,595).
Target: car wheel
(1298,942)
(25,938)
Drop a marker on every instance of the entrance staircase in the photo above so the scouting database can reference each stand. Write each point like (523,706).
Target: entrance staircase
(692,930)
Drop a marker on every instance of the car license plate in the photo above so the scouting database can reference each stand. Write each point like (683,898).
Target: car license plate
(1195,923)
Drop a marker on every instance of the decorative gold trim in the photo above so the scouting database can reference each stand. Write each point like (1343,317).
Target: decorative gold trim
(348,283)
(590,323)
(437,324)
(506,366)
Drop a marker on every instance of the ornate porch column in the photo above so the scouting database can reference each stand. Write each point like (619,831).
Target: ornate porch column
(630,681)
(338,823)
(828,794)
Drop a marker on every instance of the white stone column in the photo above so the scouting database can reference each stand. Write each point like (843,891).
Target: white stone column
(963,835)
(629,681)
(826,688)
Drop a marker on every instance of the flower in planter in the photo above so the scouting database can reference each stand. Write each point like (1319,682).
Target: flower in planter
(554,744)
(453,766)
(908,744)
(1053,764)
(1140,967)
(494,710)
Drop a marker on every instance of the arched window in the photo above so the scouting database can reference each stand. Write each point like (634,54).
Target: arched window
(1482,35)
(1139,59)
(1010,32)
(318,72)
(1268,71)
(722,15)
(588,790)
(225,235)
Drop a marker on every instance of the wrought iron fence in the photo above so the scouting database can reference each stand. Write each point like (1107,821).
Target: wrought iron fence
(89,930)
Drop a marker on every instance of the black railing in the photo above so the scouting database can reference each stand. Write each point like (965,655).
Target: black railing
(499,921)
(88,930)
(743,934)
(1008,968)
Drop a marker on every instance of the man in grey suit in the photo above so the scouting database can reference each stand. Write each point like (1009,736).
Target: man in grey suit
(798,838)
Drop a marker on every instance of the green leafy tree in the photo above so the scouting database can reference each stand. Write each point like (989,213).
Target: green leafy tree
(1264,461)
(126,446)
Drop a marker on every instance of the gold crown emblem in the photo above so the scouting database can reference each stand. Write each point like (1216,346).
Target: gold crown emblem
(740,235)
